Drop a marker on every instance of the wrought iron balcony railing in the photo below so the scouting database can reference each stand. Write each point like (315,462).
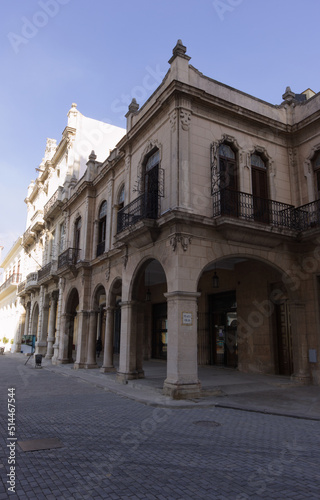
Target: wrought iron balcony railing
(307,216)
(14,279)
(69,257)
(44,272)
(251,208)
(143,207)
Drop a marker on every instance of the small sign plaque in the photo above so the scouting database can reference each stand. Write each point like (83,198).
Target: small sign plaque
(187,318)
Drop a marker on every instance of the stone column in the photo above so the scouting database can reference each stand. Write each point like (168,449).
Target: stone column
(139,320)
(301,370)
(41,343)
(128,352)
(82,339)
(55,359)
(52,324)
(182,362)
(64,352)
(92,338)
(21,330)
(108,342)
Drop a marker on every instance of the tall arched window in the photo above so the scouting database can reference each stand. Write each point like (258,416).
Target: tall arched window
(316,169)
(77,234)
(151,185)
(119,207)
(228,180)
(102,229)
(259,180)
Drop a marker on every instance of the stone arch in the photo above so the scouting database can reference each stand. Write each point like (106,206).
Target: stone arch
(146,300)
(269,319)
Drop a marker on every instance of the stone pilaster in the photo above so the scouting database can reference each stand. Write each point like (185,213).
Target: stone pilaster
(182,363)
(108,343)
(128,344)
(299,343)
(91,353)
(52,325)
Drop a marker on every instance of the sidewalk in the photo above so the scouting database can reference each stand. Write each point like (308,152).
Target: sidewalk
(221,387)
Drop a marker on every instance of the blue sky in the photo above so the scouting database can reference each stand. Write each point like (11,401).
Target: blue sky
(101,53)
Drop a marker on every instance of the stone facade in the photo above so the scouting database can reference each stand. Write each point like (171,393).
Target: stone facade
(195,241)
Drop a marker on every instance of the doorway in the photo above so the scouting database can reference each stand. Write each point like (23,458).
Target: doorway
(223,329)
(159,331)
(284,339)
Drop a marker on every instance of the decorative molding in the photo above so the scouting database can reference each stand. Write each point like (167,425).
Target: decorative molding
(184,239)
(214,159)
(108,271)
(125,257)
(185,119)
(173,120)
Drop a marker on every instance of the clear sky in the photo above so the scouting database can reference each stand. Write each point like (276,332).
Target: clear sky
(101,53)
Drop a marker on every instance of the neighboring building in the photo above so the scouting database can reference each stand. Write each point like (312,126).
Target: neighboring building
(196,241)
(63,165)
(11,309)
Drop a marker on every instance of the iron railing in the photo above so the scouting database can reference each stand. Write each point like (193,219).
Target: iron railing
(252,208)
(14,279)
(146,206)
(69,257)
(45,271)
(307,216)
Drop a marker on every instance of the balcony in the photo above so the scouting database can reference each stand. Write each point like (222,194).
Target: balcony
(264,220)
(307,216)
(32,282)
(10,284)
(21,287)
(47,272)
(69,258)
(136,221)
(53,207)
(28,237)
(37,222)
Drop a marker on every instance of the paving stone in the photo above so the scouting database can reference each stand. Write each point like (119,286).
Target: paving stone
(110,449)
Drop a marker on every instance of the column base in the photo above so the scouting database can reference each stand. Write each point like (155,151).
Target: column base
(181,391)
(63,361)
(108,369)
(302,378)
(89,366)
(41,348)
(78,366)
(122,378)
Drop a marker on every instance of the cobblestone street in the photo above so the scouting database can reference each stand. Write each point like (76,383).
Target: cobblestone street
(116,448)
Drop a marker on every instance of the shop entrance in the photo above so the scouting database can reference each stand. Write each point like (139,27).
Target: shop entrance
(223,329)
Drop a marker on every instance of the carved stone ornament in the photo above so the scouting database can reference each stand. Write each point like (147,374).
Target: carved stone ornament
(185,119)
(214,159)
(183,239)
(108,270)
(125,257)
(173,120)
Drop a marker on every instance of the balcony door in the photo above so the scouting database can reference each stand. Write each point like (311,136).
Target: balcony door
(259,189)
(228,182)
(151,186)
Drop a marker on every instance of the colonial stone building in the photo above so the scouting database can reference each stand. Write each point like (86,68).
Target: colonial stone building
(196,241)
(46,235)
